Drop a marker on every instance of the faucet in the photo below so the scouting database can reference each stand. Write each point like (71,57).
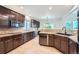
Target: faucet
(64,28)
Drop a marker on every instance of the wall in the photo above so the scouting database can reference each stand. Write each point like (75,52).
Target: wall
(70,17)
(56,22)
(60,22)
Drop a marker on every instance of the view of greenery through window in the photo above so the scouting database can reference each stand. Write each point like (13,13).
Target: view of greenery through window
(48,25)
(72,24)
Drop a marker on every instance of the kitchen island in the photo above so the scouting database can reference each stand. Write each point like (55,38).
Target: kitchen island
(64,43)
(10,40)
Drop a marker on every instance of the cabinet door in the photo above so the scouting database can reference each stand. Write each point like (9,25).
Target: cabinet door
(21,40)
(25,37)
(72,47)
(4,11)
(18,40)
(1,47)
(64,44)
(42,39)
(29,36)
(8,45)
(57,42)
(51,40)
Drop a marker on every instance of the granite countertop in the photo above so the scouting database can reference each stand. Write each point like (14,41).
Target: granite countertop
(10,33)
(72,37)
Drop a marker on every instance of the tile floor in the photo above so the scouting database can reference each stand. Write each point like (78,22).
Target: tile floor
(33,47)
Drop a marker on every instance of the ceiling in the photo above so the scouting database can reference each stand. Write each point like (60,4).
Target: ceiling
(47,11)
(42,11)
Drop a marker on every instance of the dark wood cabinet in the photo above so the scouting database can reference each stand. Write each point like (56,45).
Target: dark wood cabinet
(43,39)
(24,37)
(9,18)
(64,44)
(18,40)
(17,16)
(51,40)
(35,23)
(4,11)
(61,43)
(57,42)
(72,47)
(29,36)
(8,42)
(1,46)
(13,15)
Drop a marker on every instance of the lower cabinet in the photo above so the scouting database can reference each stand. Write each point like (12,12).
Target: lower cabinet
(8,44)
(72,47)
(51,40)
(43,39)
(28,36)
(1,46)
(17,41)
(24,37)
(64,45)
(57,42)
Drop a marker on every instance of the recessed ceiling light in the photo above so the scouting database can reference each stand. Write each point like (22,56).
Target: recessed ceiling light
(21,7)
(50,8)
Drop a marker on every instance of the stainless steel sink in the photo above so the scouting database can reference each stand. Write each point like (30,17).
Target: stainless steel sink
(65,34)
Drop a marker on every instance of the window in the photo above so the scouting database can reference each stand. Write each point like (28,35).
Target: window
(48,25)
(68,25)
(27,24)
(75,24)
(72,24)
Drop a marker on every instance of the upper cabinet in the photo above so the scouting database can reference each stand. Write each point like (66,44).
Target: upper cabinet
(6,13)
(10,18)
(35,23)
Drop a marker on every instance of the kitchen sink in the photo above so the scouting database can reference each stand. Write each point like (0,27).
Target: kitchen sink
(65,34)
